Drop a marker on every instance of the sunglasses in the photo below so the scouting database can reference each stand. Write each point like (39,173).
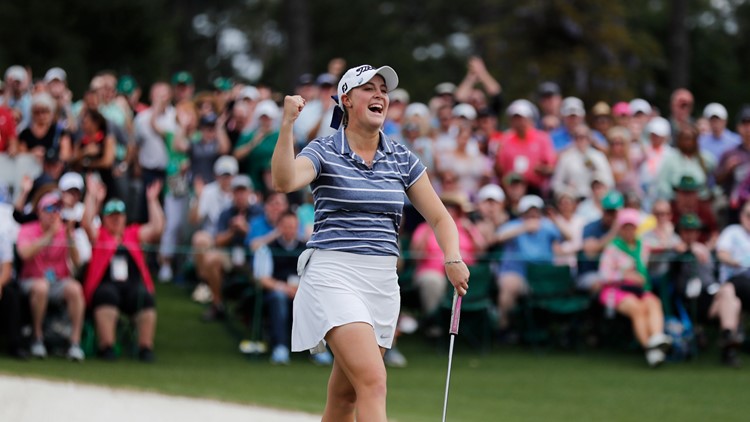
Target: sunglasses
(51,208)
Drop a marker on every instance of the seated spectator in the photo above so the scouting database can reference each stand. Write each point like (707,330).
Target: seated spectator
(686,201)
(71,185)
(472,168)
(564,215)
(430,275)
(491,212)
(659,135)
(732,250)
(262,228)
(573,114)
(228,255)
(695,280)
(579,164)
(626,287)
(43,132)
(10,301)
(596,236)
(719,139)
(45,246)
(516,188)
(118,280)
(624,159)
(527,240)
(275,268)
(590,209)
(662,241)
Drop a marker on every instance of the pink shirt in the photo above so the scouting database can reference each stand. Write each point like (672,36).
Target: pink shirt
(432,258)
(53,256)
(524,155)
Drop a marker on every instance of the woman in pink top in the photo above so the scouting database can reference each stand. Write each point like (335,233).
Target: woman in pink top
(626,290)
(430,274)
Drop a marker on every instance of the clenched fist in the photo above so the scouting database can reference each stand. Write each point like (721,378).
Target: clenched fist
(293,105)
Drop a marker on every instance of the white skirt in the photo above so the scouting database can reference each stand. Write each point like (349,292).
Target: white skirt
(338,288)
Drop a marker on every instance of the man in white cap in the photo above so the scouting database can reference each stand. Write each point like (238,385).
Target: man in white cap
(17,94)
(490,202)
(525,241)
(719,139)
(659,133)
(573,113)
(57,86)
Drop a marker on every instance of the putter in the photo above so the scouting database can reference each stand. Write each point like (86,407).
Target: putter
(455,317)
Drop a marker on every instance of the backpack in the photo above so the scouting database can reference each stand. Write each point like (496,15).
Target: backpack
(680,329)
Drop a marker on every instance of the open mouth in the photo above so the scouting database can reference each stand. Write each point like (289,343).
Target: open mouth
(376,108)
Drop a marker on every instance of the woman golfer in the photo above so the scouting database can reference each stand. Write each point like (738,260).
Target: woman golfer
(348,295)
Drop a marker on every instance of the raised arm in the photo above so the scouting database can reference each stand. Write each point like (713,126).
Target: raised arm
(151,231)
(92,203)
(426,201)
(290,173)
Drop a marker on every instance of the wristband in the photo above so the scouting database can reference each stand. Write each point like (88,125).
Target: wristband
(454,261)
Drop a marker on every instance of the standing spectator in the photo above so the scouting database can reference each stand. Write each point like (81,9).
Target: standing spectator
(733,170)
(71,186)
(659,134)
(466,92)
(681,108)
(327,88)
(579,164)
(491,213)
(309,90)
(471,167)
(686,159)
(623,159)
(627,288)
(204,152)
(719,139)
(526,241)
(254,149)
(95,151)
(118,280)
(526,150)
(695,280)
(151,127)
(549,101)
(183,86)
(573,114)
(601,122)
(45,247)
(43,133)
(395,118)
(8,135)
(57,87)
(17,94)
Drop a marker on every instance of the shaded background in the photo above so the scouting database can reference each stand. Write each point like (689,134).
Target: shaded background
(597,50)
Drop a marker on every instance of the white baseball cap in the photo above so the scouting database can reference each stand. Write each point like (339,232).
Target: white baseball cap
(70,180)
(55,73)
(572,106)
(639,105)
(521,108)
(659,126)
(491,191)
(399,95)
(464,110)
(250,92)
(528,202)
(362,74)
(17,73)
(226,164)
(267,108)
(715,110)
(417,109)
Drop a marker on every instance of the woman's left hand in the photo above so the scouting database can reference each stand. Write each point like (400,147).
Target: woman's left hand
(458,274)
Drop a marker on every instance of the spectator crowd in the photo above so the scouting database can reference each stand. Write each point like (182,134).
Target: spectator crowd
(646,207)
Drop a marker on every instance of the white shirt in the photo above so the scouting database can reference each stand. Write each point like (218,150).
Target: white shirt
(735,240)
(572,171)
(212,202)
(152,150)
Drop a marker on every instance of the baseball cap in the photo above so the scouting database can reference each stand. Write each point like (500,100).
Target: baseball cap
(690,221)
(572,106)
(465,110)
(445,88)
(744,114)
(548,88)
(226,164)
(613,200)
(528,202)
(113,206)
(417,109)
(241,181)
(628,216)
(250,92)
(659,126)
(49,198)
(399,95)
(362,74)
(182,77)
(17,73)
(305,79)
(688,184)
(715,110)
(639,105)
(520,108)
(326,79)
(70,180)
(267,108)
(491,192)
(55,73)
(514,177)
(601,109)
(223,84)
(126,84)
(621,109)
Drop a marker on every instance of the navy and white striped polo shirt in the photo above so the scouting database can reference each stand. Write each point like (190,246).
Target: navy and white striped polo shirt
(358,208)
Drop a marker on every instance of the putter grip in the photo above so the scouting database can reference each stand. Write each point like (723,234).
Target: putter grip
(455,313)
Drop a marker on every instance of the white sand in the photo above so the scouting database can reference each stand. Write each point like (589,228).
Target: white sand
(36,400)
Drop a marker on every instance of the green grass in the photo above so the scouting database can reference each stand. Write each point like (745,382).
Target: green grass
(510,384)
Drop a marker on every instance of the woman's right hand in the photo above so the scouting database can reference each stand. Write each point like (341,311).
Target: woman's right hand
(293,105)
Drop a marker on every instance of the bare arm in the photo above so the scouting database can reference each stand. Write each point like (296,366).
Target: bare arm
(96,192)
(290,173)
(426,201)
(108,158)
(725,257)
(151,231)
